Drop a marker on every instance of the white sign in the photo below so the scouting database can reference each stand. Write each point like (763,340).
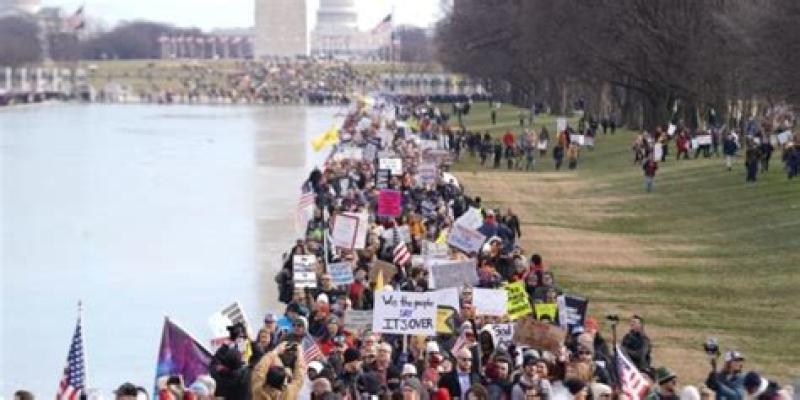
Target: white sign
(341,273)
(579,139)
(658,151)
(784,137)
(671,129)
(471,219)
(435,250)
(221,320)
(404,313)
(357,320)
(542,145)
(395,165)
(345,230)
(703,140)
(452,273)
(427,174)
(428,145)
(490,301)
(305,272)
(363,228)
(465,239)
(504,333)
(448,297)
(561,124)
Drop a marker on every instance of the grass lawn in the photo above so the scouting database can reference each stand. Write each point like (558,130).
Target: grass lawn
(703,255)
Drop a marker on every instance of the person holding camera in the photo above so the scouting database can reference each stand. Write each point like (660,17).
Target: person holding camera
(279,374)
(729,382)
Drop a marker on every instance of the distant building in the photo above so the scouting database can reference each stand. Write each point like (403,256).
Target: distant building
(8,7)
(280,29)
(336,34)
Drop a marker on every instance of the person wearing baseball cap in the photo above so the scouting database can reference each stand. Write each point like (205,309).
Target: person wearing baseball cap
(729,382)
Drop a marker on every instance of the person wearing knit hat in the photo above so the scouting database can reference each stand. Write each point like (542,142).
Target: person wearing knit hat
(667,385)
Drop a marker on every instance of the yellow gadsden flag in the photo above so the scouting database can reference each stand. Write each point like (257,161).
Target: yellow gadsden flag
(327,138)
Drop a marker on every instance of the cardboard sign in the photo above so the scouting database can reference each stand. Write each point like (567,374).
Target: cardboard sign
(345,229)
(389,270)
(546,311)
(357,320)
(382,178)
(504,333)
(390,203)
(452,273)
(572,311)
(341,273)
(490,301)
(518,304)
(539,335)
(465,239)
(394,165)
(471,219)
(561,124)
(404,313)
(305,271)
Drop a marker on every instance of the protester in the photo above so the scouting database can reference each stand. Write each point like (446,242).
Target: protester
(649,167)
(636,344)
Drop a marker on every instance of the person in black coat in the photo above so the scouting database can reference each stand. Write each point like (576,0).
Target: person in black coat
(456,380)
(636,344)
(230,373)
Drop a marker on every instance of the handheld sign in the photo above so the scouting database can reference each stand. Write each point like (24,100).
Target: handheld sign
(518,305)
(490,301)
(404,313)
(345,229)
(382,178)
(465,239)
(395,165)
(305,273)
(341,273)
(390,203)
(357,320)
(452,273)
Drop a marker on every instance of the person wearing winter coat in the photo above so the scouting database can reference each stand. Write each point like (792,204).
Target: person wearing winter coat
(636,344)
(231,374)
(728,384)
(729,148)
(279,374)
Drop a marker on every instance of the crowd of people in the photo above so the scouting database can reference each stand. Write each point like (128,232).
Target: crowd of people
(267,82)
(311,350)
(756,140)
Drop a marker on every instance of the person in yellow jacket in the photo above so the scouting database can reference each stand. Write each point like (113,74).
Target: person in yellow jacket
(271,380)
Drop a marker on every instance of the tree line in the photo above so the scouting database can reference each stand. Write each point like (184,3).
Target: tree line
(642,61)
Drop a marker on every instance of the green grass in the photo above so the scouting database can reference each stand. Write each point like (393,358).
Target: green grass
(730,268)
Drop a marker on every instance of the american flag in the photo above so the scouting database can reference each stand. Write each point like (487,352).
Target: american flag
(72,382)
(311,351)
(634,385)
(401,254)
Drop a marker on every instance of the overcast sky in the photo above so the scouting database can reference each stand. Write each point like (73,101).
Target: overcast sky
(207,14)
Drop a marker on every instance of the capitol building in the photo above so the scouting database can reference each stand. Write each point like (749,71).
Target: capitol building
(281,31)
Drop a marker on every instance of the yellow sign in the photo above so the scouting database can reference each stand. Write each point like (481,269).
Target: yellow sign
(518,304)
(445,320)
(546,310)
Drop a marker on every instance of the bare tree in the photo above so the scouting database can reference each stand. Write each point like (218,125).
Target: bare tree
(19,41)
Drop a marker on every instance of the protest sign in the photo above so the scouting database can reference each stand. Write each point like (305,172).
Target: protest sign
(425,144)
(435,250)
(465,239)
(388,269)
(490,301)
(518,305)
(382,178)
(447,297)
(784,137)
(428,208)
(357,320)
(403,232)
(345,229)
(542,145)
(427,174)
(394,165)
(658,151)
(471,219)
(445,320)
(450,178)
(572,311)
(341,273)
(452,273)
(504,333)
(305,271)
(561,124)
(404,313)
(221,320)
(390,203)
(703,140)
(539,335)
(362,229)
(546,311)
(579,139)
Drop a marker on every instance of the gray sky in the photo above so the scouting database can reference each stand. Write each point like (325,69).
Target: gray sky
(207,14)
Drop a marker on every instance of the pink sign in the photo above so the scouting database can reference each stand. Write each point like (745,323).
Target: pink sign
(390,203)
